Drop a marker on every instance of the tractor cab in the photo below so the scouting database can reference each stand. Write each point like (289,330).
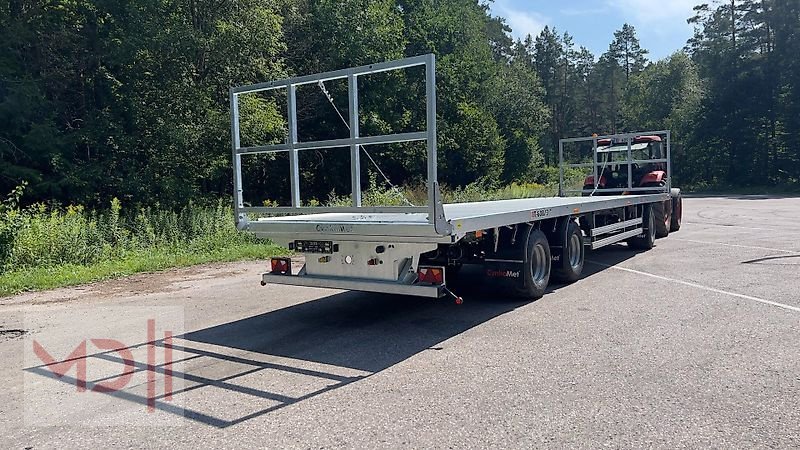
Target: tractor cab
(647,163)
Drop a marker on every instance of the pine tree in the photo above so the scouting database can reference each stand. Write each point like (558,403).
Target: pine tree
(625,48)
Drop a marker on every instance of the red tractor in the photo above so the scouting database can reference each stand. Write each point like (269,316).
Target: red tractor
(630,164)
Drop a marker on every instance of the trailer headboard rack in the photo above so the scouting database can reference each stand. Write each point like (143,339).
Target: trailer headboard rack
(433,211)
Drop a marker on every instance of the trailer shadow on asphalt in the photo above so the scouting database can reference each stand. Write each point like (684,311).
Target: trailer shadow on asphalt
(266,362)
(363,332)
(339,339)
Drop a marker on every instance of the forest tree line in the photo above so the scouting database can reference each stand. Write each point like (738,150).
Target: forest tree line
(109,98)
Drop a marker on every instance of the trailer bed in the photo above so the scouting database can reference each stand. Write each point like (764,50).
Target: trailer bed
(462,217)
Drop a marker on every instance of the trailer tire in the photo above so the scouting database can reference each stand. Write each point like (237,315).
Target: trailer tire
(677,211)
(647,241)
(537,266)
(663,218)
(569,266)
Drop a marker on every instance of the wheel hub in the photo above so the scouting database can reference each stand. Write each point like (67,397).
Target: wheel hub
(540,264)
(575,250)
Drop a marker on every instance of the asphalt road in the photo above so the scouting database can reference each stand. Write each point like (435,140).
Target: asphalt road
(694,343)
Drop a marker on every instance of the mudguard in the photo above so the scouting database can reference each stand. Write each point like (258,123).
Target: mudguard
(656,176)
(590,181)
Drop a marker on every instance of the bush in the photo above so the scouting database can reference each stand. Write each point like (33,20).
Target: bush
(50,236)
(9,224)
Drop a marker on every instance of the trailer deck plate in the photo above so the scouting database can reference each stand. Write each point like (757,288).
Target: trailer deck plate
(462,217)
(325,247)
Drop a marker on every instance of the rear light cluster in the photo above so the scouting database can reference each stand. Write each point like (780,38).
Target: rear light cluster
(281,266)
(430,275)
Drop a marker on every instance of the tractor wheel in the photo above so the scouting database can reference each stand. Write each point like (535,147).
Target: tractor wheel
(677,211)
(663,217)
(648,239)
(662,211)
(536,268)
(570,265)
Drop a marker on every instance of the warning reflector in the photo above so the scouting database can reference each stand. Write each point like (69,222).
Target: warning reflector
(430,275)
(281,266)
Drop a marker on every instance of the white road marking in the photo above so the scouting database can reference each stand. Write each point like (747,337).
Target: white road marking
(728,226)
(736,245)
(699,286)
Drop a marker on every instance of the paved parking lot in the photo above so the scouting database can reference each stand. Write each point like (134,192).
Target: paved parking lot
(694,343)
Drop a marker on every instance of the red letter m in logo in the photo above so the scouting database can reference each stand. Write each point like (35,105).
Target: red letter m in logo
(76,358)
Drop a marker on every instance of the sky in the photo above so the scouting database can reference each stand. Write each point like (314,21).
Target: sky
(660,24)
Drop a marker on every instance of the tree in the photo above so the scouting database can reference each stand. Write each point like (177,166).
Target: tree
(587,121)
(548,52)
(743,50)
(626,50)
(666,95)
(103,98)
(609,77)
(514,98)
(473,75)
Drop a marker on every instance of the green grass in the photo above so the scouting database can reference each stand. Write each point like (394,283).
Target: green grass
(46,246)
(48,277)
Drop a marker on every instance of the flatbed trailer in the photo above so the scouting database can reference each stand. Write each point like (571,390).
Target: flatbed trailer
(521,244)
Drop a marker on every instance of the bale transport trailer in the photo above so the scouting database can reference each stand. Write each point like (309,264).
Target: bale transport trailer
(520,244)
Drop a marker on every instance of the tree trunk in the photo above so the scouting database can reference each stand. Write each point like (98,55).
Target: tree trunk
(613,105)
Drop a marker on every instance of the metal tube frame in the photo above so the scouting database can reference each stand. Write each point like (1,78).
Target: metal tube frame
(629,137)
(293,147)
(560,169)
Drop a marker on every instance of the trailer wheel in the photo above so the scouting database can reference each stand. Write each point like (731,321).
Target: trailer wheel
(647,241)
(537,266)
(663,218)
(569,267)
(677,211)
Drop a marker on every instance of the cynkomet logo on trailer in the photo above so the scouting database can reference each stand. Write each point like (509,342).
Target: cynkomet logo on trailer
(494,273)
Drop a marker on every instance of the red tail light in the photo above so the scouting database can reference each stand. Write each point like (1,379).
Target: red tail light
(281,266)
(430,275)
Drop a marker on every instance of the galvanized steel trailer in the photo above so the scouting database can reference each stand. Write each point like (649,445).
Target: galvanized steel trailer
(412,249)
